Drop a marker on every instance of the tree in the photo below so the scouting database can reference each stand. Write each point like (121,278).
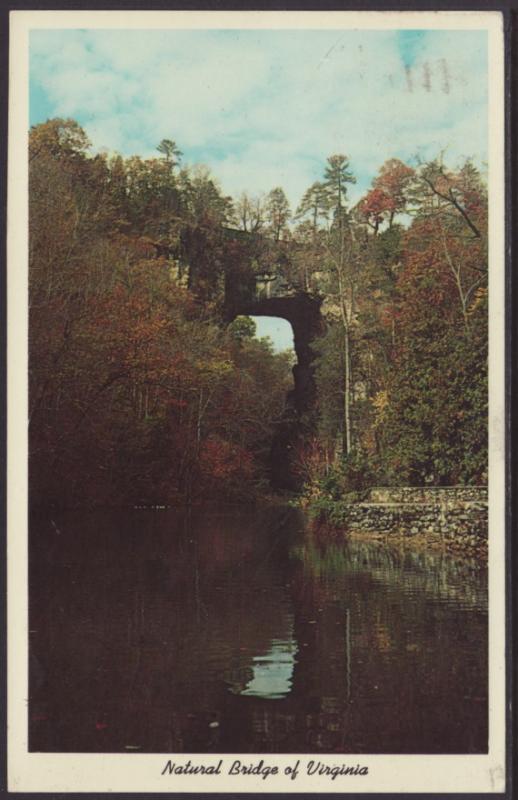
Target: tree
(59,138)
(394,180)
(433,425)
(242,327)
(153,200)
(314,205)
(137,390)
(204,249)
(308,252)
(341,263)
(455,203)
(388,196)
(438,191)
(278,212)
(250,213)
(332,252)
(203,199)
(171,151)
(375,207)
(336,177)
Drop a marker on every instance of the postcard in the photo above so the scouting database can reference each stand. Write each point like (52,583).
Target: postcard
(256,455)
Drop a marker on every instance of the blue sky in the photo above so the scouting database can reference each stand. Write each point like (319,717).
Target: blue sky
(279,331)
(410,44)
(265,108)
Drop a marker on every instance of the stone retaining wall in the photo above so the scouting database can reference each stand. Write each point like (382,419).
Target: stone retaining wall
(452,513)
(428,494)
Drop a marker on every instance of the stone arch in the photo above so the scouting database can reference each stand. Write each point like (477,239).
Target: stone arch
(303,313)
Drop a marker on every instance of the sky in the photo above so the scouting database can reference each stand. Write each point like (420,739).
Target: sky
(279,330)
(265,108)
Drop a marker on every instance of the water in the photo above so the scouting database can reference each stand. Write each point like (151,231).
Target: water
(232,631)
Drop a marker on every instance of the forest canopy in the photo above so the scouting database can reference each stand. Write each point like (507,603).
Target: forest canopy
(141,390)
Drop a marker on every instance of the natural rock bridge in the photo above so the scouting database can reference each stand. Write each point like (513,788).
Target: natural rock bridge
(255,284)
(269,294)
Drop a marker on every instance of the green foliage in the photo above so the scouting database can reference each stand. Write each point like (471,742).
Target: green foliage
(336,177)
(357,472)
(414,303)
(170,150)
(277,212)
(242,328)
(386,251)
(434,426)
(329,371)
(325,511)
(314,205)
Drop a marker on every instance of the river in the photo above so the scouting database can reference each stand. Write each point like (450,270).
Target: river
(210,631)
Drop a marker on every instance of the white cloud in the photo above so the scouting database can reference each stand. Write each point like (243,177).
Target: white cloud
(265,108)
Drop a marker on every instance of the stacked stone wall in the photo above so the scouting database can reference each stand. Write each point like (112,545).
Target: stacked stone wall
(452,513)
(427,494)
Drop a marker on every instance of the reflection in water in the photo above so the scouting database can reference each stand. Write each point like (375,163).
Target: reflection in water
(234,632)
(272,673)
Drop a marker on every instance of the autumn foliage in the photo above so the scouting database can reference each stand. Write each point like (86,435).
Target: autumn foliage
(409,267)
(138,391)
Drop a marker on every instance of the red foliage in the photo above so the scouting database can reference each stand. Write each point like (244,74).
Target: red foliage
(393,179)
(376,206)
(225,461)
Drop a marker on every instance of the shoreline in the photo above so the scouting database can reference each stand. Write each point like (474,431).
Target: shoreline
(433,542)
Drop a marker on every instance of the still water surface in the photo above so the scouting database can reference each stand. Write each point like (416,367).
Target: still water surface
(232,631)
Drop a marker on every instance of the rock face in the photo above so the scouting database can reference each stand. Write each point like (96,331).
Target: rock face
(302,311)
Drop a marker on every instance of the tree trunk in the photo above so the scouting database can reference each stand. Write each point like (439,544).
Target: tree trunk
(347,347)
(347,392)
